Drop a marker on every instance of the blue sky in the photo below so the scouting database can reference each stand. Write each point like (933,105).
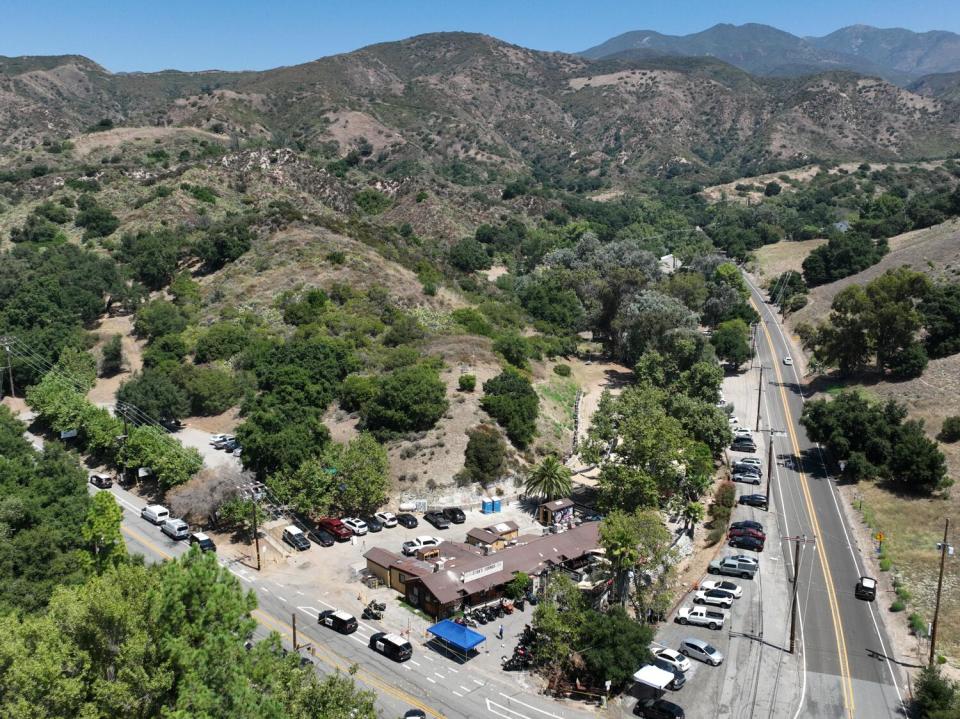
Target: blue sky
(128,35)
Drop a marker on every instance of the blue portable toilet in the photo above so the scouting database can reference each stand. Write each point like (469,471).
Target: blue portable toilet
(486,506)
(496,505)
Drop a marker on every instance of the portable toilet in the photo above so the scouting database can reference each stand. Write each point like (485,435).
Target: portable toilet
(496,505)
(486,506)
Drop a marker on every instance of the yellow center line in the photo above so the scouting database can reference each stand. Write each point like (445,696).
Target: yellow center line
(332,659)
(845,681)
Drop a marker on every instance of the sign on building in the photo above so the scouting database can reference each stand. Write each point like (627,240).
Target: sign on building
(472,574)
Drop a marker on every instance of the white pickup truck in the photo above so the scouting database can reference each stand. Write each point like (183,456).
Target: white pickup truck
(704,616)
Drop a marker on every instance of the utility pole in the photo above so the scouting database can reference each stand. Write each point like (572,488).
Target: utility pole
(295,645)
(936,612)
(256,542)
(759,390)
(769,464)
(6,345)
(796,587)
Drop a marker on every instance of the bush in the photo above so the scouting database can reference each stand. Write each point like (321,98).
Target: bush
(772,189)
(97,221)
(511,400)
(224,242)
(897,606)
(886,564)
(210,390)
(200,193)
(950,431)
(473,321)
(716,535)
(357,391)
(467,382)
(469,255)
(485,454)
(221,341)
(158,318)
(514,349)
(409,399)
(918,626)
(562,369)
(908,363)
(111,361)
(372,201)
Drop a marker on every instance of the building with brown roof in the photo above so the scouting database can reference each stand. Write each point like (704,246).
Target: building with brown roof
(496,536)
(466,581)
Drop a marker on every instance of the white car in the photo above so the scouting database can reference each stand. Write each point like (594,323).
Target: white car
(726,585)
(412,546)
(214,438)
(742,432)
(673,658)
(717,597)
(387,519)
(750,460)
(734,422)
(744,559)
(703,616)
(746,478)
(357,526)
(788,360)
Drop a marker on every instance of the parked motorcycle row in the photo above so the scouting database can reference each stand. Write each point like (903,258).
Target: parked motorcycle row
(522,653)
(374,610)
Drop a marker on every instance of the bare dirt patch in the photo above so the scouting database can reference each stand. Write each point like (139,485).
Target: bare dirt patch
(773,260)
(105,390)
(85,144)
(225,422)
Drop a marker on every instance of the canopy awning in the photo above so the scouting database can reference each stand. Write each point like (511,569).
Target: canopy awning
(457,637)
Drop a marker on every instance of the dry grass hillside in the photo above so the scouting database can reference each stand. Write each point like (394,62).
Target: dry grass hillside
(773,260)
(934,251)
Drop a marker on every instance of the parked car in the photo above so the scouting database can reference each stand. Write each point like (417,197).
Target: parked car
(412,546)
(747,524)
(732,587)
(746,445)
(866,589)
(747,478)
(357,526)
(658,709)
(788,360)
(405,519)
(745,558)
(733,568)
(203,541)
(747,532)
(155,513)
(176,529)
(437,520)
(746,542)
(388,519)
(373,524)
(747,468)
(230,445)
(295,537)
(744,432)
(101,481)
(335,527)
(716,597)
(391,645)
(702,616)
(733,421)
(750,460)
(338,621)
(455,515)
(674,658)
(214,438)
(754,500)
(321,537)
(679,679)
(702,651)
(222,441)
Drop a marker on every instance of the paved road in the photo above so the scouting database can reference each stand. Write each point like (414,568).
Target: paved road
(845,648)
(430,681)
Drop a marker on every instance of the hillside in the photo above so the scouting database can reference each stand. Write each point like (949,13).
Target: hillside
(474,110)
(895,54)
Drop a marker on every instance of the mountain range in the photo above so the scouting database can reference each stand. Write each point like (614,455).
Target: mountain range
(472,107)
(894,54)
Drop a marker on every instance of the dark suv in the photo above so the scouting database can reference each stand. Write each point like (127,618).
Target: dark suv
(658,709)
(437,520)
(455,515)
(373,524)
(405,519)
(746,542)
(754,500)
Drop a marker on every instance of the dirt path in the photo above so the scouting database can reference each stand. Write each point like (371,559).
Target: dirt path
(105,390)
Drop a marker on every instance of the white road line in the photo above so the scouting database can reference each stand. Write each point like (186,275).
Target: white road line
(312,611)
(367,626)
(457,694)
(530,706)
(453,670)
(465,689)
(281,598)
(430,659)
(264,589)
(358,640)
(438,674)
(415,662)
(479,683)
(299,592)
(490,709)
(406,667)
(431,680)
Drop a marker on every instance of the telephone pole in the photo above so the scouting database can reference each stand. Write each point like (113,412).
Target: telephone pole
(936,612)
(250,491)
(759,391)
(796,587)
(5,341)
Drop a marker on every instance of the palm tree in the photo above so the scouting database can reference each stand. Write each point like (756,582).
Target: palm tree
(550,479)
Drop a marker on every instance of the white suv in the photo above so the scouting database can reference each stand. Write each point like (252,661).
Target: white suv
(387,519)
(357,526)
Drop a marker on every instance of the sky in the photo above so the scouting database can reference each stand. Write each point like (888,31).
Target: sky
(134,35)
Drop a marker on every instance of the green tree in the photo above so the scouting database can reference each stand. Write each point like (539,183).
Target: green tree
(550,479)
(620,539)
(731,340)
(485,454)
(518,586)
(209,390)
(467,382)
(151,447)
(935,696)
(361,471)
(101,531)
(616,644)
(409,399)
(513,347)
(97,221)
(111,358)
(917,465)
(511,400)
(468,255)
(940,310)
(153,256)
(221,341)
(154,392)
(558,619)
(772,189)
(158,318)
(224,242)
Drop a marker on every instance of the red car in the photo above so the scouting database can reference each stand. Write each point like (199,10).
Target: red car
(337,528)
(747,532)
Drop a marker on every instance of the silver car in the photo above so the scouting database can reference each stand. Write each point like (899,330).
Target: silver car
(702,651)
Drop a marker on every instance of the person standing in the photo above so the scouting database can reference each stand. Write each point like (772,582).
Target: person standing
(500,632)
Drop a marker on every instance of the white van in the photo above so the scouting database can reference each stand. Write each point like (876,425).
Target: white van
(175,529)
(155,513)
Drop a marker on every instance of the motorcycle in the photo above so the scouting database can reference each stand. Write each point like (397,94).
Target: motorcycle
(377,606)
(480,616)
(373,614)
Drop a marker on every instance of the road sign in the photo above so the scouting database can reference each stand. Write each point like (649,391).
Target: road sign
(879,536)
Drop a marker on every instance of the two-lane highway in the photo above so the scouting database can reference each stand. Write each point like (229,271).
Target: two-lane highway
(846,651)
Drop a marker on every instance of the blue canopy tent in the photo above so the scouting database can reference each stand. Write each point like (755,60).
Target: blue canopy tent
(459,640)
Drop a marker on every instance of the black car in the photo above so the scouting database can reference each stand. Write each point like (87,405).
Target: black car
(747,524)
(437,520)
(658,709)
(391,645)
(321,537)
(455,515)
(338,621)
(230,445)
(679,679)
(747,468)
(373,524)
(404,519)
(754,500)
(746,542)
(203,541)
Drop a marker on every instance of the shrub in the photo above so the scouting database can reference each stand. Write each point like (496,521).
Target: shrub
(97,221)
(111,361)
(200,193)
(210,390)
(485,454)
(221,341)
(467,382)
(224,242)
(716,535)
(562,369)
(469,255)
(472,321)
(886,564)
(918,626)
(158,318)
(513,347)
(950,431)
(372,201)
(897,606)
(511,400)
(357,391)
(408,399)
